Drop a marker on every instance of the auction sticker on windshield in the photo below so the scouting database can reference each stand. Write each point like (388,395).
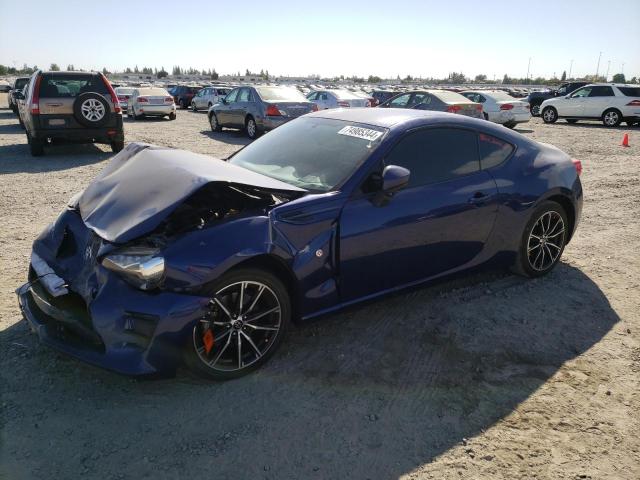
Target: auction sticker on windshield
(359,132)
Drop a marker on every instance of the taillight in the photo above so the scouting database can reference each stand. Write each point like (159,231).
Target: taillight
(122,99)
(578,165)
(35,101)
(143,100)
(454,108)
(314,107)
(344,104)
(112,92)
(506,106)
(272,111)
(634,103)
(168,99)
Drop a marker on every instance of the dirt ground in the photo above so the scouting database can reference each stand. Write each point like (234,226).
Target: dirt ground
(490,376)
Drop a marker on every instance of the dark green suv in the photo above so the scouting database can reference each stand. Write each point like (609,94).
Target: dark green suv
(78,107)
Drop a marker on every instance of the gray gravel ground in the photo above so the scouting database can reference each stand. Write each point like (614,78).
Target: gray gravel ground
(490,376)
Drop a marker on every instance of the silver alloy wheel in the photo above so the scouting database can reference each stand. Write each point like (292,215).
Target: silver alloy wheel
(251,128)
(546,241)
(611,118)
(92,109)
(244,320)
(213,121)
(549,115)
(535,110)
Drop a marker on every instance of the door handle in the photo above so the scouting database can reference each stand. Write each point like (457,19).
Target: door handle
(478,197)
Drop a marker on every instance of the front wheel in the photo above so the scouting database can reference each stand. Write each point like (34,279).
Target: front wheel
(36,146)
(213,121)
(535,110)
(247,319)
(193,106)
(549,115)
(182,104)
(543,240)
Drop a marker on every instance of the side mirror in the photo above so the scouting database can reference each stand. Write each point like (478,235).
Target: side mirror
(394,178)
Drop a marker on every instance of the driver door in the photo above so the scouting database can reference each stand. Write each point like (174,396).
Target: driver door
(439,222)
(574,106)
(223,111)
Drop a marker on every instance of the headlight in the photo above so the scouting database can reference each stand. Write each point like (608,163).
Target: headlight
(140,266)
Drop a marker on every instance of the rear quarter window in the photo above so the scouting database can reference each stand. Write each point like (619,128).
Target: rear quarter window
(493,151)
(630,91)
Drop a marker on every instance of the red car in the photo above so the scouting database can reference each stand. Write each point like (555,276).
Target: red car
(182,95)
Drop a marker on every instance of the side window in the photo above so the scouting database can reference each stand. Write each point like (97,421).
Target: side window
(436,154)
(493,151)
(401,101)
(232,96)
(244,95)
(581,93)
(419,98)
(601,91)
(312,96)
(323,96)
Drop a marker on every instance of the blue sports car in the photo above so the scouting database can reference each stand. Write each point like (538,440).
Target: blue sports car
(170,256)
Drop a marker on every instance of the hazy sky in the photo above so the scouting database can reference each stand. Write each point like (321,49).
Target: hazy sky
(386,38)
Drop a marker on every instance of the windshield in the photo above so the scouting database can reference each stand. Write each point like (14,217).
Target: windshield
(316,154)
(20,83)
(450,97)
(124,91)
(500,96)
(280,94)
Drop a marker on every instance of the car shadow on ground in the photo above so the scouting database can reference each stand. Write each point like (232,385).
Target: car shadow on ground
(374,392)
(522,130)
(156,119)
(56,157)
(230,137)
(582,124)
(8,113)
(12,129)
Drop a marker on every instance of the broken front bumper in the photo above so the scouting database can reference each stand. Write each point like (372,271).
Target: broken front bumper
(115,326)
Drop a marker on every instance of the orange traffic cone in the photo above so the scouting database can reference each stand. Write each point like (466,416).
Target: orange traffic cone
(625,140)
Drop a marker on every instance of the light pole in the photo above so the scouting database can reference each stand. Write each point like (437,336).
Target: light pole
(607,75)
(570,68)
(528,66)
(622,68)
(598,67)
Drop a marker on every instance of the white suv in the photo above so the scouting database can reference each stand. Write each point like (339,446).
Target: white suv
(208,96)
(610,102)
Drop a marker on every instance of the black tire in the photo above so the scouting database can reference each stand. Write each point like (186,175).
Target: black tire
(251,127)
(21,123)
(223,358)
(172,116)
(528,262)
(36,146)
(213,122)
(117,146)
(572,120)
(193,106)
(510,125)
(549,115)
(86,109)
(612,118)
(535,110)
(485,115)
(182,104)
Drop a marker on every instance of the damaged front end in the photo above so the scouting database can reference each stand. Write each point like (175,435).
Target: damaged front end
(107,279)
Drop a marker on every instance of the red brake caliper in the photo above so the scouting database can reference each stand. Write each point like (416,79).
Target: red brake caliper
(208,340)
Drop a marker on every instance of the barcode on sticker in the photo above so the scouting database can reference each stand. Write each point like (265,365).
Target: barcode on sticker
(359,132)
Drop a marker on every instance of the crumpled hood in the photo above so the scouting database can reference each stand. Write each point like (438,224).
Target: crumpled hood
(143,184)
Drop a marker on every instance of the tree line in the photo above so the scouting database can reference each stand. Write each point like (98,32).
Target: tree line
(454,78)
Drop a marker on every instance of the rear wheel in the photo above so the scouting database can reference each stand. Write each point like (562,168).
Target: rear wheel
(611,118)
(172,116)
(248,317)
(535,110)
(193,106)
(543,240)
(182,103)
(549,115)
(251,127)
(510,124)
(117,146)
(36,146)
